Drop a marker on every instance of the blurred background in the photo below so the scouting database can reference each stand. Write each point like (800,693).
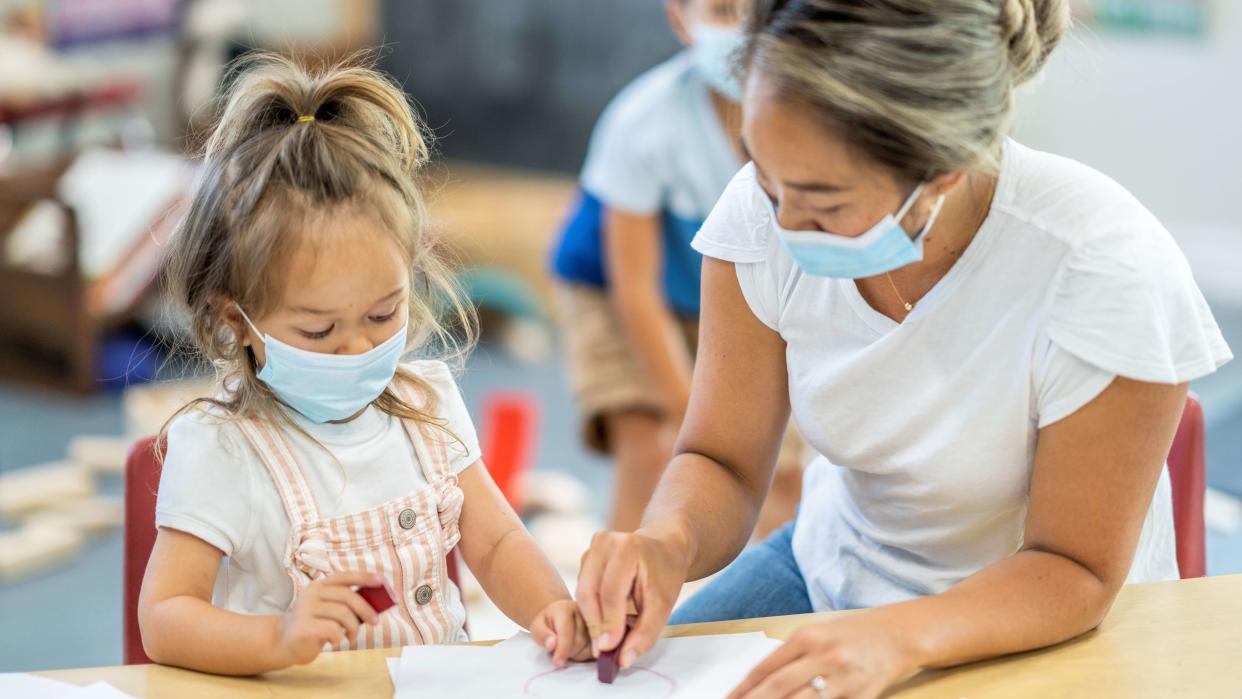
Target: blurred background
(100,104)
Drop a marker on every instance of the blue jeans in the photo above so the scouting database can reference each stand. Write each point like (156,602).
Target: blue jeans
(763,581)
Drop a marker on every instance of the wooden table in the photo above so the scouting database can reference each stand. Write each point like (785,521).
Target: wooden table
(1161,640)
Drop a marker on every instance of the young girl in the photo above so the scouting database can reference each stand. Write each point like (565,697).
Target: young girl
(324,464)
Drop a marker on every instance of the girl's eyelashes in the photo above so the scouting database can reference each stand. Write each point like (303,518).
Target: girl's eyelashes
(384,318)
(317,334)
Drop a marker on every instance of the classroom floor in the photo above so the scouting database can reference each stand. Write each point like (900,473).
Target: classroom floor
(70,617)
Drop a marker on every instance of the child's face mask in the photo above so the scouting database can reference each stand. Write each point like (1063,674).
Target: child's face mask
(714,53)
(326,387)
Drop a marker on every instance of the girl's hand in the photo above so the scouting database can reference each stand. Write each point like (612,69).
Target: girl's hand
(640,570)
(858,657)
(326,612)
(560,629)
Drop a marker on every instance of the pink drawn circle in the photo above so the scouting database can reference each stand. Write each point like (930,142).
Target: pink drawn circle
(652,685)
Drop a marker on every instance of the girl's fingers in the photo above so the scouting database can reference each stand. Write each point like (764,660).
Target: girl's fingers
(341,614)
(351,599)
(352,579)
(563,625)
(542,633)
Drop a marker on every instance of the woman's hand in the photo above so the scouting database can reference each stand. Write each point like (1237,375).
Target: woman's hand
(858,657)
(561,630)
(642,570)
(326,612)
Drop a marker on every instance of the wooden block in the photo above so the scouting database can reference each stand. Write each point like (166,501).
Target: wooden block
(148,407)
(100,454)
(34,549)
(90,516)
(36,487)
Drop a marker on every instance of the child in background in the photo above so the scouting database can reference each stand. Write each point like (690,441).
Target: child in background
(660,157)
(324,464)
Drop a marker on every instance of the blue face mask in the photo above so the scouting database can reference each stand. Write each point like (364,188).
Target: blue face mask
(326,387)
(714,53)
(883,248)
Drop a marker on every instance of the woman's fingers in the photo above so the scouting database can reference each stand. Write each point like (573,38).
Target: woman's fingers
(792,679)
(590,579)
(615,587)
(791,651)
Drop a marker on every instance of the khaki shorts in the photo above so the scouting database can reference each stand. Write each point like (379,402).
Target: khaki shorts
(605,375)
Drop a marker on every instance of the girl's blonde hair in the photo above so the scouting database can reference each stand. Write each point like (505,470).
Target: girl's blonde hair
(924,87)
(293,146)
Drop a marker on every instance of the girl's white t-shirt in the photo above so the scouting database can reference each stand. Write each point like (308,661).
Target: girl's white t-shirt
(926,430)
(215,487)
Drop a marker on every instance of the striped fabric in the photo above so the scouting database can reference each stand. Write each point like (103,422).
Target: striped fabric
(411,558)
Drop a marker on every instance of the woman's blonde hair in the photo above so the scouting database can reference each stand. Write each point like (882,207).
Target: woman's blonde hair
(924,87)
(293,146)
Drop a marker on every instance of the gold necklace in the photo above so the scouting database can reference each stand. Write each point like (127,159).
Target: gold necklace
(909,306)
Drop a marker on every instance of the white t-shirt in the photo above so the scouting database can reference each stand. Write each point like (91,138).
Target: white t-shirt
(926,429)
(660,146)
(215,487)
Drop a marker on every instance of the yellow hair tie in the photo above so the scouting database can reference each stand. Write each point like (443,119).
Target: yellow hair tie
(306,118)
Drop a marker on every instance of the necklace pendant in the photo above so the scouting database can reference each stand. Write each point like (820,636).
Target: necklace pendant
(909,307)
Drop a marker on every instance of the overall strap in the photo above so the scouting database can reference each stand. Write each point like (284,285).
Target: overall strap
(431,449)
(274,450)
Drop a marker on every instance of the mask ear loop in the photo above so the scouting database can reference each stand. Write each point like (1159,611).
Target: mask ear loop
(931,220)
(257,332)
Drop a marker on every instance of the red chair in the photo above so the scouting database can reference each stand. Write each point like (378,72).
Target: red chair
(511,424)
(1188,473)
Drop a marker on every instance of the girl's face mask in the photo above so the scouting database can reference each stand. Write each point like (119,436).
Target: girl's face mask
(714,52)
(327,387)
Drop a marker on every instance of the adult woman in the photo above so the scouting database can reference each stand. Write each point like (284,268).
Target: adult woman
(992,375)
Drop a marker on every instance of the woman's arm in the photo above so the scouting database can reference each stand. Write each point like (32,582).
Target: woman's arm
(633,255)
(181,627)
(705,508)
(1092,484)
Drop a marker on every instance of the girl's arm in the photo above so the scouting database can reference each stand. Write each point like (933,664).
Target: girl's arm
(501,554)
(181,627)
(1094,475)
(518,578)
(633,254)
(705,507)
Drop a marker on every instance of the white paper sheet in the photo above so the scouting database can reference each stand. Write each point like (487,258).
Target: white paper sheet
(678,668)
(34,687)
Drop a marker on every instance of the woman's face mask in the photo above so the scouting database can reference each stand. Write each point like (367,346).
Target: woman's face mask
(884,247)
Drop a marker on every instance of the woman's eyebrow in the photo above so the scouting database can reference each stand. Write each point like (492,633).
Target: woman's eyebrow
(803,186)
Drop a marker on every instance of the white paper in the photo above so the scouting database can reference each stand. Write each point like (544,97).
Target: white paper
(677,668)
(34,687)
(30,686)
(394,668)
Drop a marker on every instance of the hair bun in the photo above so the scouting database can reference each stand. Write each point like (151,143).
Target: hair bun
(1032,29)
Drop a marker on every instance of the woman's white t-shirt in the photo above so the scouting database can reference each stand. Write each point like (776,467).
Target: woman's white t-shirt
(926,430)
(215,487)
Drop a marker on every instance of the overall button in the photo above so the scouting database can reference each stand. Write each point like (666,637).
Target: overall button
(423,594)
(406,519)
